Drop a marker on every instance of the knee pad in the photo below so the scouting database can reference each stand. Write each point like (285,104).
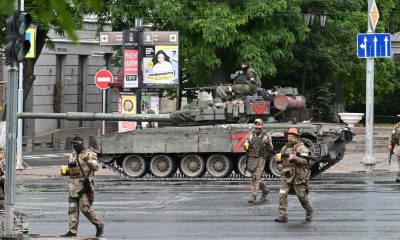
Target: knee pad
(283,193)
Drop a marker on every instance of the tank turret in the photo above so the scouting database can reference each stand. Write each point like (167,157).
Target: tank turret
(275,105)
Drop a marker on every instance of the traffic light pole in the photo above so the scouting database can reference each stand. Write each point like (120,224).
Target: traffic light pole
(20,109)
(20,106)
(11,142)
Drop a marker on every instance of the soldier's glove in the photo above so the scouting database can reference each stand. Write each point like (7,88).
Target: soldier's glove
(72,163)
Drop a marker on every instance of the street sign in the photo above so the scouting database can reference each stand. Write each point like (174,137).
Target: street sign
(103,78)
(373,15)
(374,45)
(149,38)
(110,38)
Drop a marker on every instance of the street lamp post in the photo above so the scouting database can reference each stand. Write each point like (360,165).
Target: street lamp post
(309,21)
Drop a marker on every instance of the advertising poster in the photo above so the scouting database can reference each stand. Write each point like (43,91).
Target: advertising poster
(160,65)
(131,68)
(126,105)
(150,101)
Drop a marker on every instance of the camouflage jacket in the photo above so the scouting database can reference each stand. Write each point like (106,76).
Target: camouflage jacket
(88,161)
(253,80)
(2,164)
(295,171)
(394,139)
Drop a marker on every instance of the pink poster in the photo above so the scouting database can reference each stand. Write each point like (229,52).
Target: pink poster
(131,70)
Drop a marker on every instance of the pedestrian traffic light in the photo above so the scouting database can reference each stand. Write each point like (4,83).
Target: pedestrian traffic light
(16,45)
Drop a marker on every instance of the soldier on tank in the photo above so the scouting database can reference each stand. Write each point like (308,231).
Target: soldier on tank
(257,146)
(394,145)
(295,175)
(246,83)
(81,166)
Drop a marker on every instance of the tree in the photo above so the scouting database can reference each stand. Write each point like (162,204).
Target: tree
(60,16)
(215,36)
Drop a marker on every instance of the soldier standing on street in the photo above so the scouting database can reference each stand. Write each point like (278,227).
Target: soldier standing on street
(2,178)
(295,175)
(81,166)
(394,145)
(257,145)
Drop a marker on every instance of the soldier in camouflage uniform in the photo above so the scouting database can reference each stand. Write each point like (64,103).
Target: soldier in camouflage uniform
(295,175)
(257,145)
(394,145)
(246,83)
(2,178)
(81,165)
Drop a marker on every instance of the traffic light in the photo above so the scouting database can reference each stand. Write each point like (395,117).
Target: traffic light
(16,45)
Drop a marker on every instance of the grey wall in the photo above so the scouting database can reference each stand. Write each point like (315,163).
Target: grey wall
(72,55)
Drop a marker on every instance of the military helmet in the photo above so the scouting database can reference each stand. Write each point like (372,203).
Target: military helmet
(292,131)
(246,63)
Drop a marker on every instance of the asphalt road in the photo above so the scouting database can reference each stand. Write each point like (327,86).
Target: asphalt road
(352,208)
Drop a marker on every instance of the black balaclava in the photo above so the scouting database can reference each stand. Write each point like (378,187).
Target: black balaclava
(245,66)
(77,143)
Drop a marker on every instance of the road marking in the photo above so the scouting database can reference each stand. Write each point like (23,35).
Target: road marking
(55,155)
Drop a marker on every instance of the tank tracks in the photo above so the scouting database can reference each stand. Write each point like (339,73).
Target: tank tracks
(113,166)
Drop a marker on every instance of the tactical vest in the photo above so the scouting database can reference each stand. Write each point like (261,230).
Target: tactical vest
(257,147)
(241,79)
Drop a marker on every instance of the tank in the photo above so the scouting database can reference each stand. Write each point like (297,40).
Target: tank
(205,139)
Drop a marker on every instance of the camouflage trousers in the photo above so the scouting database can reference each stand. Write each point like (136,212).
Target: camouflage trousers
(241,90)
(256,180)
(398,171)
(80,204)
(301,191)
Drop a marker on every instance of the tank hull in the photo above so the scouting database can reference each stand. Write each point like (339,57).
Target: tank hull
(213,150)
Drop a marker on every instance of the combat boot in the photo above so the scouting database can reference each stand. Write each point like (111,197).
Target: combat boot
(397,179)
(69,234)
(281,218)
(309,215)
(99,230)
(264,196)
(253,199)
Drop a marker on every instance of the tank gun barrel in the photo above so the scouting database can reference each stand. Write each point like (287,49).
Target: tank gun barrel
(84,116)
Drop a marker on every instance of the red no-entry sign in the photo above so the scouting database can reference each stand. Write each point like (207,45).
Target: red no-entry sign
(103,78)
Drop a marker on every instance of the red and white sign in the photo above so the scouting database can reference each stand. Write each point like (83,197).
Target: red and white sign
(131,68)
(103,78)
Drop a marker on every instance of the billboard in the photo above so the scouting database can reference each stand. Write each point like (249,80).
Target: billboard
(160,66)
(150,101)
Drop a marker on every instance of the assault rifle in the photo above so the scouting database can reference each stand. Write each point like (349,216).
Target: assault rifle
(205,88)
(308,158)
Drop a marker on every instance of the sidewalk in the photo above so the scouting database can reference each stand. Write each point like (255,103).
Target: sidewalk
(350,166)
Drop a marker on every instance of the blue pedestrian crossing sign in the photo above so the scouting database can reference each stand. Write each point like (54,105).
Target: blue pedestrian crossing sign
(374,45)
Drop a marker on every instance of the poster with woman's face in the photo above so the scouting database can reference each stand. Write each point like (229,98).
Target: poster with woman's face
(162,67)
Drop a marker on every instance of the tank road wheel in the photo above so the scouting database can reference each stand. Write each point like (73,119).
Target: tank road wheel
(218,166)
(192,166)
(134,166)
(240,166)
(273,167)
(162,166)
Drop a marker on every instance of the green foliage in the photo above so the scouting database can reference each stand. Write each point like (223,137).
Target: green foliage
(322,99)
(218,35)
(59,15)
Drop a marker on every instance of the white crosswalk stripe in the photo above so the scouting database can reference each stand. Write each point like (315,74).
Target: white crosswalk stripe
(55,155)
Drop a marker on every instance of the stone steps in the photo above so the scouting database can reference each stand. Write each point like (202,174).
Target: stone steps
(381,137)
